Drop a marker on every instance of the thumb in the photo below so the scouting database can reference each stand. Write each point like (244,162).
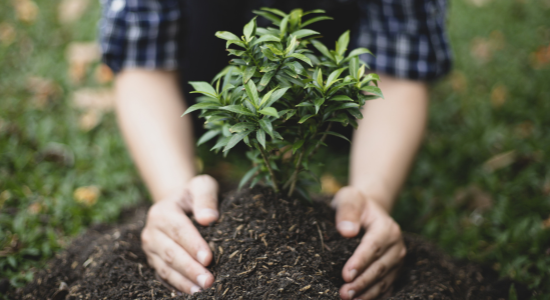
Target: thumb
(349,205)
(203,191)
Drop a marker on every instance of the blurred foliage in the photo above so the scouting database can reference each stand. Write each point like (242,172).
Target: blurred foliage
(480,187)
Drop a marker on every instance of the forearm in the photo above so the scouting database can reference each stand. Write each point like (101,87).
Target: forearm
(387,139)
(149,105)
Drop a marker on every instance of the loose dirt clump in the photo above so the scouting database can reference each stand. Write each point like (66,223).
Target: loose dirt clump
(264,247)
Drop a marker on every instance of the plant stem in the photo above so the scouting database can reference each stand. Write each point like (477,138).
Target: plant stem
(275,186)
(322,140)
(294,176)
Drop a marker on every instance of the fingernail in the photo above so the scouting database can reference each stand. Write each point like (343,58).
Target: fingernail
(348,226)
(207,213)
(201,279)
(351,293)
(201,256)
(352,274)
(195,289)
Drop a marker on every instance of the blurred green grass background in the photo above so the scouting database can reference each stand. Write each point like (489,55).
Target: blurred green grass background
(480,187)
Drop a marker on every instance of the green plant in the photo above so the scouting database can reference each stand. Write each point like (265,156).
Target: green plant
(277,87)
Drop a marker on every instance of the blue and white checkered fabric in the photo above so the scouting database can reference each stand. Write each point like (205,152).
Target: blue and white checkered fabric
(407,36)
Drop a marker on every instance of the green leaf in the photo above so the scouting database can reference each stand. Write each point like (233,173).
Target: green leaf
(266,97)
(276,20)
(208,136)
(315,11)
(335,134)
(267,126)
(250,29)
(342,44)
(318,102)
(304,32)
(276,96)
(204,87)
(238,53)
(316,19)
(252,93)
(357,52)
(332,78)
(235,139)
(266,79)
(305,118)
(319,78)
(373,90)
(370,77)
(236,42)
(355,112)
(265,38)
(323,49)
(275,11)
(284,24)
(291,45)
(248,73)
(354,67)
(222,141)
(304,104)
(341,98)
(201,105)
(297,146)
(269,54)
(270,111)
(275,50)
(226,35)
(238,109)
(248,175)
(240,127)
(260,136)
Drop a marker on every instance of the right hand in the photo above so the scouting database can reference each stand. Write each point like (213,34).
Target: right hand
(174,247)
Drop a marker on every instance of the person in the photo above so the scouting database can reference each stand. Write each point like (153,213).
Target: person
(155,46)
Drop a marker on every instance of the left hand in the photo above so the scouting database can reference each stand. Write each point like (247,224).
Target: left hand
(375,264)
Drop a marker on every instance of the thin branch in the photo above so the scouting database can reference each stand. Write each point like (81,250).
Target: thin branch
(322,140)
(273,179)
(294,176)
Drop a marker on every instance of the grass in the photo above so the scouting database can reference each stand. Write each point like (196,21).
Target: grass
(495,102)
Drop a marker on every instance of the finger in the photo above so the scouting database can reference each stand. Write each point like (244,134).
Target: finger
(176,258)
(172,276)
(380,236)
(349,204)
(380,288)
(179,228)
(203,190)
(376,272)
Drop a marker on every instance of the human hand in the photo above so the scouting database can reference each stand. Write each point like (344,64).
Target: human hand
(174,247)
(375,264)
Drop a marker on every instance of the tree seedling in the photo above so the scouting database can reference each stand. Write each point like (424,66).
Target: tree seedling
(281,97)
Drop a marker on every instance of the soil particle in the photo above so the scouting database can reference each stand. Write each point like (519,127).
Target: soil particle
(265,247)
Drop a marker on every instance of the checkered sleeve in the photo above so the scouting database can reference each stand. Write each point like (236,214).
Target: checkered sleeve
(140,33)
(407,37)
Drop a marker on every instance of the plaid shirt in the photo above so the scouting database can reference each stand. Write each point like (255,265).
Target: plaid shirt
(407,37)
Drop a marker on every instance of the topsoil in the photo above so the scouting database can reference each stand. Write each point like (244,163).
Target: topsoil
(264,247)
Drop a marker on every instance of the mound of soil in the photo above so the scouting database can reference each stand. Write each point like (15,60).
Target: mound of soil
(264,248)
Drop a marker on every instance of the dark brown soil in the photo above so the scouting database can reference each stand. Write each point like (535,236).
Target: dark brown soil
(264,248)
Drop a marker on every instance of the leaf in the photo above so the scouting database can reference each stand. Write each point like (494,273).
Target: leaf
(222,141)
(275,11)
(276,20)
(356,113)
(305,118)
(291,45)
(238,109)
(323,49)
(248,175)
(319,78)
(252,93)
(265,38)
(316,19)
(276,96)
(201,105)
(275,50)
(354,67)
(266,79)
(226,35)
(315,11)
(266,97)
(248,73)
(373,90)
(341,98)
(235,139)
(342,44)
(332,78)
(267,126)
(335,134)
(250,29)
(304,104)
(208,136)
(357,52)
(242,126)
(260,136)
(297,146)
(204,87)
(270,111)
(304,32)
(370,77)
(269,54)
(283,25)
